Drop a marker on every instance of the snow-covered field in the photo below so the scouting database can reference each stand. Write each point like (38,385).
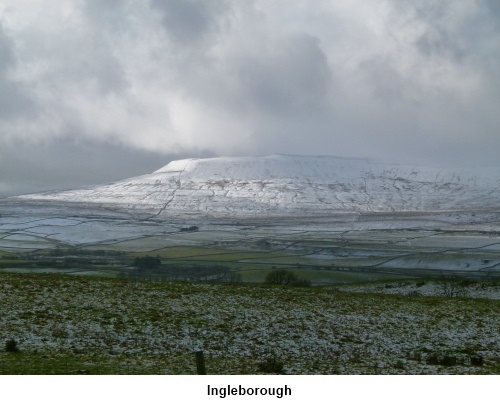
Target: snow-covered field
(286,193)
(391,241)
(132,327)
(430,288)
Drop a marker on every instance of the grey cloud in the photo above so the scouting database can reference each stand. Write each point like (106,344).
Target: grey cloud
(14,102)
(491,11)
(189,22)
(439,42)
(384,81)
(106,70)
(108,21)
(439,38)
(293,78)
(289,79)
(74,162)
(107,14)
(465,38)
(413,80)
(90,62)
(81,57)
(281,91)
(6,54)
(461,35)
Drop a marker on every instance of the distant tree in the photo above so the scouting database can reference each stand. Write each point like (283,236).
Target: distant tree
(285,277)
(147,263)
(280,277)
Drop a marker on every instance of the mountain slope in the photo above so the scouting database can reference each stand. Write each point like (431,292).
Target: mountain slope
(293,185)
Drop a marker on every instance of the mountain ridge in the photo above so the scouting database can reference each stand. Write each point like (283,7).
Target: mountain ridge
(293,185)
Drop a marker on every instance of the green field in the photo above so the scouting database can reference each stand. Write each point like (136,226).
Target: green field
(376,305)
(80,325)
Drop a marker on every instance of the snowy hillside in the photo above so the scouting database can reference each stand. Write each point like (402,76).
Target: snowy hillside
(293,185)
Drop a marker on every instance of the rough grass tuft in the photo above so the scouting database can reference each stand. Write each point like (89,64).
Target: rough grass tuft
(271,365)
(11,346)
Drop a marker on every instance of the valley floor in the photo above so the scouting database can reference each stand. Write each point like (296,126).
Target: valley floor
(395,293)
(330,249)
(81,325)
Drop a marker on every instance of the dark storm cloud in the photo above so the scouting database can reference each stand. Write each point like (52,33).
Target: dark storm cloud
(392,79)
(71,163)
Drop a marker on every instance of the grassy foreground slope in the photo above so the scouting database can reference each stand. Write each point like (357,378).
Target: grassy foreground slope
(71,325)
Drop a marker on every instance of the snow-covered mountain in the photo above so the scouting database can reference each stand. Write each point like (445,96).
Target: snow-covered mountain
(293,185)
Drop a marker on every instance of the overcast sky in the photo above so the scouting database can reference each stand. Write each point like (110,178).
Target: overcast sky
(99,90)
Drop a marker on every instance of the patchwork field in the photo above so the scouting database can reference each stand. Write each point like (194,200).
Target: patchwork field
(84,325)
(94,290)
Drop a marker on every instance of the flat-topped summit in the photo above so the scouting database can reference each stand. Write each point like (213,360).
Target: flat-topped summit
(293,185)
